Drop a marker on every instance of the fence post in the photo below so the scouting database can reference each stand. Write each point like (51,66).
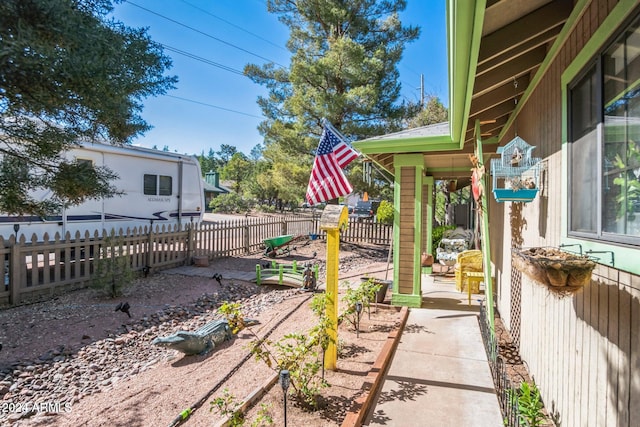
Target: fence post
(190,243)
(247,240)
(150,247)
(15,279)
(283,227)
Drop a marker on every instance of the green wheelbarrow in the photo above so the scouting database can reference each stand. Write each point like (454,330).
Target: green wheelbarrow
(279,245)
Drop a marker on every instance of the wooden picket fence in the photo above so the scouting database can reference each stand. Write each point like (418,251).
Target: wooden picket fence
(39,269)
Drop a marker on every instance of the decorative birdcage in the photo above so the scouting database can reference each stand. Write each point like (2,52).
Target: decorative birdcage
(516,175)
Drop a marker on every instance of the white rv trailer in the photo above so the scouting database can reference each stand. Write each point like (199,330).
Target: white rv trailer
(160,188)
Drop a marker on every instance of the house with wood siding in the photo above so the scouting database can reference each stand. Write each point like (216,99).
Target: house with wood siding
(564,76)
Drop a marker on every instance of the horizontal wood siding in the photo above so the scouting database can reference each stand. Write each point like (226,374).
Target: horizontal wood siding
(407,229)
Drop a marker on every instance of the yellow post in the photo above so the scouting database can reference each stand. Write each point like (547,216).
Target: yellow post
(334,217)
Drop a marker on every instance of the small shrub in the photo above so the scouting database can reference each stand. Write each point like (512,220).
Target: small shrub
(229,203)
(364,294)
(438,232)
(227,406)
(264,417)
(529,404)
(385,212)
(112,271)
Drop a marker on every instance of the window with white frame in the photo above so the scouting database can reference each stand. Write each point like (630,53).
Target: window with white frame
(157,185)
(604,149)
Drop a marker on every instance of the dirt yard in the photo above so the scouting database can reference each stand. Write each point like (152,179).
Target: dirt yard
(75,360)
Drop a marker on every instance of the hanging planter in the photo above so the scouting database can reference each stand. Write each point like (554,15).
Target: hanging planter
(561,272)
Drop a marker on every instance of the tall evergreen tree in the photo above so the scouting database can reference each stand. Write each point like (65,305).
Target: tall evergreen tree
(432,113)
(68,73)
(343,68)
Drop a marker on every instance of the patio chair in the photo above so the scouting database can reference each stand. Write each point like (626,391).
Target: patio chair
(452,243)
(468,271)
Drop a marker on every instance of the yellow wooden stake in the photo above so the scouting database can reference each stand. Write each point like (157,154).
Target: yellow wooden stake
(334,218)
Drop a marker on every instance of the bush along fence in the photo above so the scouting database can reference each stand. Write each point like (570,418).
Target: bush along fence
(35,269)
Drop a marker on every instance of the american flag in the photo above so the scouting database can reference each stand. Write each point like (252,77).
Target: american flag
(327,180)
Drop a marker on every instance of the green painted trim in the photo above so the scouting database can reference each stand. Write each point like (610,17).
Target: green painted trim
(610,25)
(566,31)
(396,231)
(486,238)
(429,182)
(626,258)
(406,145)
(400,160)
(417,248)
(445,169)
(427,270)
(464,32)
(414,301)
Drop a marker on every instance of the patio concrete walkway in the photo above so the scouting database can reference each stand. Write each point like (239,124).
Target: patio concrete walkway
(439,375)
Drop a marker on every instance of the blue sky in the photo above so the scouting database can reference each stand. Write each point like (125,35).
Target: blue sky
(215,104)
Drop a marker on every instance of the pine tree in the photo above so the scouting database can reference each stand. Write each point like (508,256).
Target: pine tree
(68,73)
(343,68)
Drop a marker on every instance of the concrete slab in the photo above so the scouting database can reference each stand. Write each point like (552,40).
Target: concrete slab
(439,375)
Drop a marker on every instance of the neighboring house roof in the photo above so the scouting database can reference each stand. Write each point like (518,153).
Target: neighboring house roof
(491,45)
(214,189)
(212,183)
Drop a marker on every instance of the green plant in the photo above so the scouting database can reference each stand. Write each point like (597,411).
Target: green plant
(364,294)
(385,212)
(229,203)
(264,417)
(112,269)
(438,232)
(529,403)
(231,312)
(227,406)
(296,353)
(319,333)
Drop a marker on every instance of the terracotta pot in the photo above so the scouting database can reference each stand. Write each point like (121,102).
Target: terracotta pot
(427,260)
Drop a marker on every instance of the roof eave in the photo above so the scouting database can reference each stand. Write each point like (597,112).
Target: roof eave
(464,33)
(404,145)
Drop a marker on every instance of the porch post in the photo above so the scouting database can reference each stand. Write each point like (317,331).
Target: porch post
(427,215)
(408,235)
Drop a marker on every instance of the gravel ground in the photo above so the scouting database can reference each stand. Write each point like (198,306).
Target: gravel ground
(66,360)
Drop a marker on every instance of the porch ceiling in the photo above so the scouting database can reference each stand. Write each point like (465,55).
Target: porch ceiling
(504,44)
(517,36)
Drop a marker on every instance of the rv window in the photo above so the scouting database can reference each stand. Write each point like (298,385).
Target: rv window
(151,184)
(87,162)
(152,188)
(165,185)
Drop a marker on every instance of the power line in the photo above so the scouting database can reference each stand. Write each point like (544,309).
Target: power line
(201,59)
(203,33)
(214,106)
(234,25)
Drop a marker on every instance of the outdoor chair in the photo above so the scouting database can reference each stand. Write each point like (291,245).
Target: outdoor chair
(452,243)
(468,271)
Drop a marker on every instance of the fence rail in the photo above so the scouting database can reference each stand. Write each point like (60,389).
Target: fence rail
(36,269)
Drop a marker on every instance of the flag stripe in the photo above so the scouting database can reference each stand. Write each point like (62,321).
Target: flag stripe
(327,180)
